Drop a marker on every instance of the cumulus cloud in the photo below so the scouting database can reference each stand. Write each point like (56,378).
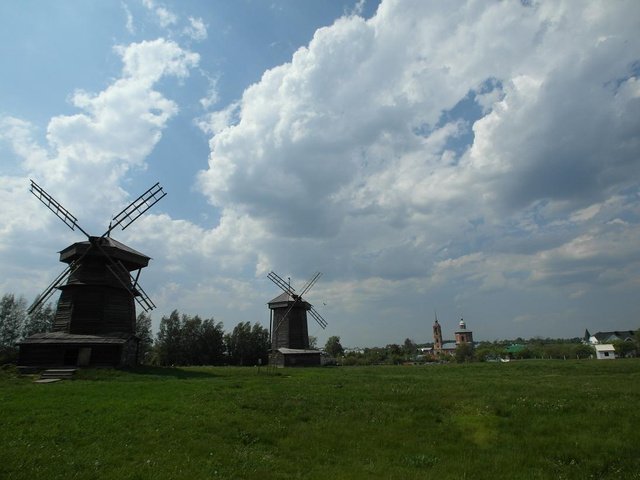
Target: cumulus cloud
(351,154)
(115,130)
(214,122)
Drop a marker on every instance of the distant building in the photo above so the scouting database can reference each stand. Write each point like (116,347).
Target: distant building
(449,348)
(605,351)
(608,337)
(515,349)
(437,337)
(462,334)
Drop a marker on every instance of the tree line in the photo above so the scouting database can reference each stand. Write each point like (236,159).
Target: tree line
(191,340)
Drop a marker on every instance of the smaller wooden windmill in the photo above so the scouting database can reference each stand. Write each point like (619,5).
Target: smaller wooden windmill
(288,325)
(94,323)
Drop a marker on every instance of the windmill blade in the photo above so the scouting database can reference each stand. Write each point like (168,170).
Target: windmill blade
(310,283)
(318,318)
(279,281)
(119,271)
(135,280)
(46,295)
(136,208)
(63,276)
(55,206)
(139,295)
(144,300)
(117,268)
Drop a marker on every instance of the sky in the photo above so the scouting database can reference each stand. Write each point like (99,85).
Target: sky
(467,159)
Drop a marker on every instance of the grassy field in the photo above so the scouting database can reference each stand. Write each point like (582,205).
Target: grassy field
(521,420)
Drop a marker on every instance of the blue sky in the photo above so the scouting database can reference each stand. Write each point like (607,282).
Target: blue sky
(475,159)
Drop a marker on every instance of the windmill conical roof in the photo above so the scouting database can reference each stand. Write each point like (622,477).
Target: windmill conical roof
(284,299)
(118,250)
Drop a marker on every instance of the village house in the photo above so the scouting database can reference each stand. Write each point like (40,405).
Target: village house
(605,352)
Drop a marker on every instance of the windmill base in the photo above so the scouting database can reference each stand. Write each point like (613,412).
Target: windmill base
(293,357)
(57,349)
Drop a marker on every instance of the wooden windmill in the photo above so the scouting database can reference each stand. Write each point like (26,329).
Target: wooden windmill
(95,316)
(288,325)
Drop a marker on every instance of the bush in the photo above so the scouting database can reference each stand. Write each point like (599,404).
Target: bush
(9,355)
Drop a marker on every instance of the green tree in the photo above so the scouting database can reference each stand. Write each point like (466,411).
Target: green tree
(559,350)
(237,343)
(394,354)
(624,349)
(584,351)
(211,343)
(488,351)
(464,352)
(40,321)
(247,345)
(532,350)
(333,346)
(409,347)
(313,342)
(143,332)
(169,341)
(186,340)
(372,356)
(191,328)
(260,336)
(13,314)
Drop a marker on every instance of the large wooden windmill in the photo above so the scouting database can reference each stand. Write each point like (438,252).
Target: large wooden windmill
(288,325)
(95,317)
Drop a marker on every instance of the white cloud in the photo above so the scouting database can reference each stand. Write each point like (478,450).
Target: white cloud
(164,16)
(117,127)
(586,214)
(215,122)
(148,61)
(196,30)
(129,25)
(212,96)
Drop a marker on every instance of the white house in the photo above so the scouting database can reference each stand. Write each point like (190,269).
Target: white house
(605,351)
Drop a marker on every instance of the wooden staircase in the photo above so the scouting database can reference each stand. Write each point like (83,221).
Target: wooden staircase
(56,374)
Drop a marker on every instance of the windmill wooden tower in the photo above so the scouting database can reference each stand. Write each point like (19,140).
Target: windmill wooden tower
(95,317)
(288,325)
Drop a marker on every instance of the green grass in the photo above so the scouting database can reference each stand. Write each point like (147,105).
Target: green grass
(522,420)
